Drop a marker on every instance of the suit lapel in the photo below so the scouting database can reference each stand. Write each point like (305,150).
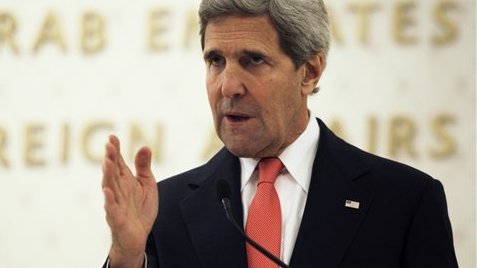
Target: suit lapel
(216,242)
(328,226)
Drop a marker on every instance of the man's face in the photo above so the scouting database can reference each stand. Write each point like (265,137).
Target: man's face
(257,96)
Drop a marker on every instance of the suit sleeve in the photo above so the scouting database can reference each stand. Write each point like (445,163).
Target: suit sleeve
(151,253)
(106,264)
(429,241)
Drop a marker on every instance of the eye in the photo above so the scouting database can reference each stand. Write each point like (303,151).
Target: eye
(253,59)
(217,60)
(256,59)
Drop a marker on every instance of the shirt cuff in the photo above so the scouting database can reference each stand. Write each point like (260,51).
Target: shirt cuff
(145,261)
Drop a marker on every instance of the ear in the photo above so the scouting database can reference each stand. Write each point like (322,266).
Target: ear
(313,68)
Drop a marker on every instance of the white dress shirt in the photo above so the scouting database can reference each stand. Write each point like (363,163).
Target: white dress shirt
(292,184)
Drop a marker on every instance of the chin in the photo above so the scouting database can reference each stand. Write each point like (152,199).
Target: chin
(239,150)
(241,146)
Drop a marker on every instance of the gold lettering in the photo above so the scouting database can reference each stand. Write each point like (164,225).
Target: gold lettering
(3,146)
(191,30)
(448,27)
(364,11)
(33,145)
(50,32)
(157,27)
(65,144)
(373,134)
(87,137)
(8,27)
(403,21)
(137,139)
(447,145)
(92,38)
(401,136)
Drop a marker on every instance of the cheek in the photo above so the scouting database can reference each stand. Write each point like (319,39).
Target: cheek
(287,101)
(274,107)
(294,93)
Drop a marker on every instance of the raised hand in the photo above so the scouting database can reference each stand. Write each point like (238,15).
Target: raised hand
(131,204)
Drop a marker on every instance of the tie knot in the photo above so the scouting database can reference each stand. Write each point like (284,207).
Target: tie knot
(268,169)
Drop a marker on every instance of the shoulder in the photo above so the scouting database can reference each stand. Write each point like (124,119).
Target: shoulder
(386,172)
(397,176)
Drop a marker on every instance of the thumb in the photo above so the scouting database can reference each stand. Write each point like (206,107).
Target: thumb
(143,163)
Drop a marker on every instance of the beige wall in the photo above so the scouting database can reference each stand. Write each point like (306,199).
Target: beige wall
(400,82)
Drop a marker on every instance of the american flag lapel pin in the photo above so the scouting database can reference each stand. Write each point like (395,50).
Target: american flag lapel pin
(351,204)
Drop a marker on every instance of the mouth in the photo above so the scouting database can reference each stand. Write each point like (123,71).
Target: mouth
(237,118)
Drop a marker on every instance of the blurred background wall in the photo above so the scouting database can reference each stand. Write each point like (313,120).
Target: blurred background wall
(400,82)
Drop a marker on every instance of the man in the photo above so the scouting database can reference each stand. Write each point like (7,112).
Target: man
(338,206)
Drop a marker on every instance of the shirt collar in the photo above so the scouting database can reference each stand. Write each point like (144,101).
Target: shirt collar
(297,158)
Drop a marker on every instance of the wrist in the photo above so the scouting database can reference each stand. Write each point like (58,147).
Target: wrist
(118,259)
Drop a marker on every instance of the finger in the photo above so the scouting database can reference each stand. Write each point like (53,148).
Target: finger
(123,168)
(110,178)
(124,178)
(111,207)
(142,163)
(113,150)
(114,141)
(111,153)
(110,168)
(109,198)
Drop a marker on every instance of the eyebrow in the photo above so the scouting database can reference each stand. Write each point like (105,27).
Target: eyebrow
(211,53)
(248,52)
(254,53)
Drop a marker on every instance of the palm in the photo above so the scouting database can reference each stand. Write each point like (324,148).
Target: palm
(131,201)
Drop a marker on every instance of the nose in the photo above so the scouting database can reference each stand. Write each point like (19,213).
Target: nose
(232,81)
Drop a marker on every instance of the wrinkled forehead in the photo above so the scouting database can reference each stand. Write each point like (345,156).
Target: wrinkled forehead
(232,29)
(253,21)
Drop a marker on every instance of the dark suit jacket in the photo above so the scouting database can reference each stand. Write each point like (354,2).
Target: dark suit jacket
(402,220)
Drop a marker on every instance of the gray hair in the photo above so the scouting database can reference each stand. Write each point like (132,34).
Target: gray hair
(302,25)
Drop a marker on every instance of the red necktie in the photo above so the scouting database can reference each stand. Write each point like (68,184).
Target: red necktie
(264,223)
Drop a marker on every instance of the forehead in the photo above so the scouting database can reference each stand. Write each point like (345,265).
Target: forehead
(240,32)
